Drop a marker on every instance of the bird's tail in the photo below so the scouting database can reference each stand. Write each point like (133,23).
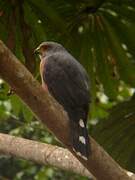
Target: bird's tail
(80,139)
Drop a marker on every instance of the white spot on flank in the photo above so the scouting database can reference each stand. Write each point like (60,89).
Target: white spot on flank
(82,139)
(81,123)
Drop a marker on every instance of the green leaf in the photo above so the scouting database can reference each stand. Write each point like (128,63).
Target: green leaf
(125,66)
(44,11)
(104,68)
(16,105)
(125,12)
(88,61)
(28,115)
(124,28)
(117,133)
(35,23)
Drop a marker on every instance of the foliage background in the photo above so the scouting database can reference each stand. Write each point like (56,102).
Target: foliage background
(100,34)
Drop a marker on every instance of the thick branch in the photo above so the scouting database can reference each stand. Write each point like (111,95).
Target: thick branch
(41,153)
(53,116)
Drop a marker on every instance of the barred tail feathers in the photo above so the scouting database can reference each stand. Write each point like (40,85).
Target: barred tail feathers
(80,139)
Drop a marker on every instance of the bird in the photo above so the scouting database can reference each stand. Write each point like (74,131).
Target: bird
(68,82)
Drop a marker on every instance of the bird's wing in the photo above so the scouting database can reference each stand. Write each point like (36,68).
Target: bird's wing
(66,80)
(68,83)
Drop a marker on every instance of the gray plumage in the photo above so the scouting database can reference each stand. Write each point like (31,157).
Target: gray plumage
(68,82)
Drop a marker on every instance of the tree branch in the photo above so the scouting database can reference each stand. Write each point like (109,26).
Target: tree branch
(41,153)
(102,166)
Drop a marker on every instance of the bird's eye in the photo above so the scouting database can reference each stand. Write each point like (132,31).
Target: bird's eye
(45,47)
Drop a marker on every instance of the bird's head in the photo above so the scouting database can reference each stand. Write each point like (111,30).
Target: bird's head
(48,47)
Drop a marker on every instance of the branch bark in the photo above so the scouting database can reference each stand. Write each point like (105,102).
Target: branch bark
(46,154)
(102,166)
(41,153)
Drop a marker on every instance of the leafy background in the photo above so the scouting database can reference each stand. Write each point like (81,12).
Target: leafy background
(100,34)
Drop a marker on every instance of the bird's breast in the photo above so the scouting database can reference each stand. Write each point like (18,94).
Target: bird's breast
(42,71)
